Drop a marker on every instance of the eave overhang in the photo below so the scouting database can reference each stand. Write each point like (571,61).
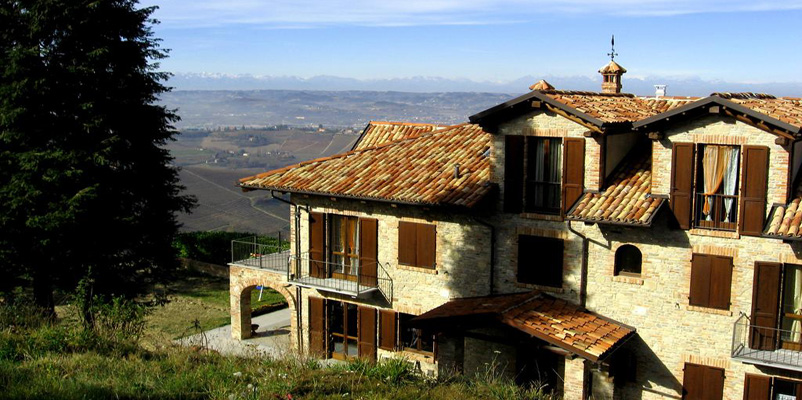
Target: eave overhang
(726,107)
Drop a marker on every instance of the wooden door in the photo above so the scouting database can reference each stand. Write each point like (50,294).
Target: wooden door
(765,306)
(317,327)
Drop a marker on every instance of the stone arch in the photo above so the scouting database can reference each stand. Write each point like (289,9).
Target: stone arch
(241,281)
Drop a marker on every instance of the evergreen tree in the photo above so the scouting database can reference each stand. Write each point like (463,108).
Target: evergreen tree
(86,185)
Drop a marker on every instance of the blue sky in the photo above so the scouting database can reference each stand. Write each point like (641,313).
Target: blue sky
(483,40)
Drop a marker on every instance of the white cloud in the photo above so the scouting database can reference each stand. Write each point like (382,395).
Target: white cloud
(312,13)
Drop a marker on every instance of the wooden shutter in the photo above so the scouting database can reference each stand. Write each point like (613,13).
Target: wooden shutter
(765,306)
(753,192)
(368,251)
(720,282)
(527,254)
(317,327)
(693,382)
(681,200)
(700,280)
(573,171)
(426,245)
(513,173)
(387,330)
(714,384)
(702,383)
(317,266)
(366,337)
(757,387)
(407,241)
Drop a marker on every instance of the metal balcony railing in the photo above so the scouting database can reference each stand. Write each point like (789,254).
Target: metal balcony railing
(779,348)
(261,252)
(351,278)
(723,212)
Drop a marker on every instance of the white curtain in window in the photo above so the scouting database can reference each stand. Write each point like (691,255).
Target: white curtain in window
(716,158)
(730,179)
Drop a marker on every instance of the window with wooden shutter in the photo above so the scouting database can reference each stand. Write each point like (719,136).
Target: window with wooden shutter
(757,387)
(407,243)
(317,326)
(711,281)
(367,333)
(417,244)
(388,333)
(317,255)
(540,261)
(753,198)
(681,192)
(765,306)
(513,173)
(701,382)
(573,171)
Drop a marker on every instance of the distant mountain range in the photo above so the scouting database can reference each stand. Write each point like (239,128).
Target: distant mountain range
(638,86)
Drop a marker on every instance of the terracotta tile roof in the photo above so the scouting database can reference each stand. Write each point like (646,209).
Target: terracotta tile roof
(418,170)
(379,132)
(555,321)
(788,110)
(785,221)
(613,107)
(626,200)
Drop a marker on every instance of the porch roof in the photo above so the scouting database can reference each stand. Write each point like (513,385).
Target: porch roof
(552,320)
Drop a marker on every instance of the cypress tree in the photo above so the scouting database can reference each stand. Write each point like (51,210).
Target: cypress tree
(86,185)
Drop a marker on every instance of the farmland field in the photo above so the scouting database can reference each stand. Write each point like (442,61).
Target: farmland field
(211,165)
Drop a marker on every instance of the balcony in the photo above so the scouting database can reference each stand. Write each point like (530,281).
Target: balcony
(779,348)
(723,212)
(356,281)
(270,254)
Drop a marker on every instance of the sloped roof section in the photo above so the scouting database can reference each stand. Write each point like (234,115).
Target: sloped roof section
(379,132)
(613,107)
(552,320)
(611,68)
(597,111)
(627,199)
(420,171)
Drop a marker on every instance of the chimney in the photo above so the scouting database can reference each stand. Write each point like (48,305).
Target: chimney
(659,91)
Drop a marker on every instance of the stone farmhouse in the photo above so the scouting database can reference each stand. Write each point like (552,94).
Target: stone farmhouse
(607,245)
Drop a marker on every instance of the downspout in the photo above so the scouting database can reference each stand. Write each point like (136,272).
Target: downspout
(583,282)
(492,254)
(298,289)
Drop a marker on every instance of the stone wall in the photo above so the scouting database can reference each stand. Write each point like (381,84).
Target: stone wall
(244,279)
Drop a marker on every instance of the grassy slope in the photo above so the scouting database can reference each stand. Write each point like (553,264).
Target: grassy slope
(38,364)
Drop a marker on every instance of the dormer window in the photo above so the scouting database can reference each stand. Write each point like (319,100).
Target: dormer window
(717,187)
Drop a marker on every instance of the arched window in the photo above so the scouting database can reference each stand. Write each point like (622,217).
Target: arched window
(628,260)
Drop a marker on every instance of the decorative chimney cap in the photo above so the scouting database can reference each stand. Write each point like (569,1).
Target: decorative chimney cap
(541,85)
(612,68)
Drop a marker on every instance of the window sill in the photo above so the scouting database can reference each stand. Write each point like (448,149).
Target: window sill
(714,233)
(542,288)
(708,310)
(545,217)
(632,280)
(430,271)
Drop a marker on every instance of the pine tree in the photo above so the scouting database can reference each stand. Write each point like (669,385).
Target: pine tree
(86,185)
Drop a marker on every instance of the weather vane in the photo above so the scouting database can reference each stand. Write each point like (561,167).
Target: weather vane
(612,54)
